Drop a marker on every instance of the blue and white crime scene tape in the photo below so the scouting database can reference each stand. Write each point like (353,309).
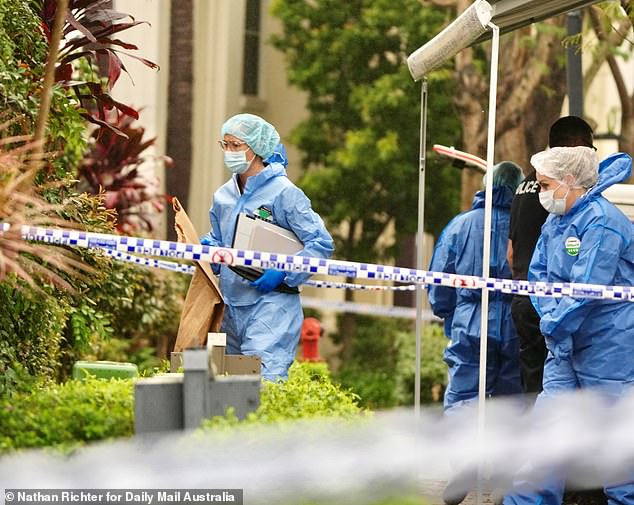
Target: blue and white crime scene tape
(308,302)
(151,262)
(189,269)
(285,262)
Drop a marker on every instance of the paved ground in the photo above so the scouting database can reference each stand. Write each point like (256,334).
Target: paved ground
(432,493)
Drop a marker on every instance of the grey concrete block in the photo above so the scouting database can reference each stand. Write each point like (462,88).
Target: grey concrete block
(196,360)
(180,401)
(158,404)
(195,385)
(239,391)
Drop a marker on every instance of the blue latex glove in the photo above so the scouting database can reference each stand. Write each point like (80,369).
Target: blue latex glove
(205,240)
(269,280)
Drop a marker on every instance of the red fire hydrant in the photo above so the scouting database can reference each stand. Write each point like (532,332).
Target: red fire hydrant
(311,331)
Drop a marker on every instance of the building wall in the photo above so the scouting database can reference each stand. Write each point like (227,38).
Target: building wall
(217,68)
(145,88)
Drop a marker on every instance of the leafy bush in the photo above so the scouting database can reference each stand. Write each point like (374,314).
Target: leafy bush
(68,415)
(43,329)
(382,369)
(23,53)
(31,329)
(125,315)
(433,370)
(88,40)
(143,308)
(308,393)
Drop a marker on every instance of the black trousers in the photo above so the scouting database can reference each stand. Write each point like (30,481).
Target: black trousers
(532,346)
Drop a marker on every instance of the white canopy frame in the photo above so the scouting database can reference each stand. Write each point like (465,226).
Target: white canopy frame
(478,22)
(463,31)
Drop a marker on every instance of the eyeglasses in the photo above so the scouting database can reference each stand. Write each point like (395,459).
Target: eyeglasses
(232,145)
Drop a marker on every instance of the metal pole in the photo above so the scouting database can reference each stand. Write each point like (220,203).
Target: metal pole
(574,72)
(420,236)
(486,252)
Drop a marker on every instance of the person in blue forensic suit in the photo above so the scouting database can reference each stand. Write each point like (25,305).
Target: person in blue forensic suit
(459,251)
(585,239)
(263,317)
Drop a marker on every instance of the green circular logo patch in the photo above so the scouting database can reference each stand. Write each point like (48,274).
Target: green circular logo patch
(572,245)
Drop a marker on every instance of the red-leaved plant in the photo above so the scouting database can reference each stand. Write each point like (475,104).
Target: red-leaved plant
(116,165)
(88,33)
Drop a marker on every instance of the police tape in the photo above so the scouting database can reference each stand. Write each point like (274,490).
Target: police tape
(362,287)
(307,302)
(369,309)
(189,269)
(150,262)
(312,265)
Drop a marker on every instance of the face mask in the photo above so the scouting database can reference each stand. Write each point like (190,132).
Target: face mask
(236,162)
(552,204)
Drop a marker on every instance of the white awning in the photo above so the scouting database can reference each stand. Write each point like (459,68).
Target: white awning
(510,15)
(472,27)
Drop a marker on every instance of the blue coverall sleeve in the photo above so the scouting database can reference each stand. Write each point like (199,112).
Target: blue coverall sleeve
(597,263)
(538,273)
(214,236)
(309,228)
(441,298)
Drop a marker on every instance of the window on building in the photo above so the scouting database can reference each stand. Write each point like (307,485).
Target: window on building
(251,68)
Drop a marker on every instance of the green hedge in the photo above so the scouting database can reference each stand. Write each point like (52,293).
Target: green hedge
(68,415)
(122,316)
(382,368)
(32,315)
(309,393)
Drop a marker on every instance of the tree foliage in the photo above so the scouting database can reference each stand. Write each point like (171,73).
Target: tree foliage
(360,143)
(612,23)
(383,363)
(530,93)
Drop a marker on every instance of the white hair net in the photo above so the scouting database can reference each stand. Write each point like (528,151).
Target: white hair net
(259,135)
(580,162)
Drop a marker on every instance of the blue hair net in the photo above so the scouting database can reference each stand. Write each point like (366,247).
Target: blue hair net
(507,173)
(259,135)
(278,156)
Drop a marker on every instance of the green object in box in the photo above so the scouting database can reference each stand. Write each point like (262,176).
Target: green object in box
(104,370)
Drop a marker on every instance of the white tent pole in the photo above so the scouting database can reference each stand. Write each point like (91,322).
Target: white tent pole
(420,236)
(488,211)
